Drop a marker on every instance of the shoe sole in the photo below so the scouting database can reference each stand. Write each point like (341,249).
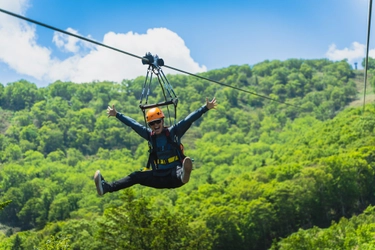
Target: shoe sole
(187,167)
(98,181)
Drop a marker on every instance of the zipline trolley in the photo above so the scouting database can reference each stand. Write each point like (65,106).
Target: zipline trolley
(170,98)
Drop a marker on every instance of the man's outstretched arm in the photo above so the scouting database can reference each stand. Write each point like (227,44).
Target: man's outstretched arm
(185,124)
(136,126)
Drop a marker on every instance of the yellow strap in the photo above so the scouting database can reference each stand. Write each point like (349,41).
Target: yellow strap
(169,160)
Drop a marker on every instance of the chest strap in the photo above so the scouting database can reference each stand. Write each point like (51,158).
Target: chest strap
(167,161)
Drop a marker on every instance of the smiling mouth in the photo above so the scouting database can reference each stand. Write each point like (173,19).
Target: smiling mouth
(157,128)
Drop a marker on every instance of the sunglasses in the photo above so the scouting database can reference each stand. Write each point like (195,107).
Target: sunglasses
(154,122)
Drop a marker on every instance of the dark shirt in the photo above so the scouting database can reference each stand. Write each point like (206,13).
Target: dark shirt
(165,150)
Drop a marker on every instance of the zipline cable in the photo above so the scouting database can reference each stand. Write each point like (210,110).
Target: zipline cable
(68,33)
(367,52)
(139,57)
(226,85)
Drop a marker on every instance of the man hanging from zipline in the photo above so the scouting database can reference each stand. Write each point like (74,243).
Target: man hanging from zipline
(167,166)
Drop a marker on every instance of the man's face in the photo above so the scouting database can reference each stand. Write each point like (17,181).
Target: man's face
(157,126)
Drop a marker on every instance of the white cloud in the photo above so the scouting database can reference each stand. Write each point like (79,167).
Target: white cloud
(105,64)
(17,6)
(355,53)
(70,43)
(24,55)
(19,50)
(67,43)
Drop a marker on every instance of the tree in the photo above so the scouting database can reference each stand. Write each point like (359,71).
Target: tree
(17,243)
(136,226)
(4,204)
(59,242)
(50,138)
(30,133)
(12,153)
(265,68)
(371,63)
(307,71)
(223,222)
(280,75)
(59,209)
(64,90)
(20,95)
(1,95)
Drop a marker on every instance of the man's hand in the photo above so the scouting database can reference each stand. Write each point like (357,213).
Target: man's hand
(211,104)
(111,111)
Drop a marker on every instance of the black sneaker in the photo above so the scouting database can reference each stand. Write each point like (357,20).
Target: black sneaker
(102,186)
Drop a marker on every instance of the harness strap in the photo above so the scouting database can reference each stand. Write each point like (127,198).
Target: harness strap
(153,160)
(167,161)
(177,146)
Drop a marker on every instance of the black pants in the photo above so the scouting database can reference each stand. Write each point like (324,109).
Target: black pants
(165,178)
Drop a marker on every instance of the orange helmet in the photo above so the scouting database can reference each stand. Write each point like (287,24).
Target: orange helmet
(154,114)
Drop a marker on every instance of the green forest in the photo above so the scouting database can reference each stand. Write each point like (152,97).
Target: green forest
(294,172)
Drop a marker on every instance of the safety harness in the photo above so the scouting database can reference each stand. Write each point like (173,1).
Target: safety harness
(153,160)
(170,98)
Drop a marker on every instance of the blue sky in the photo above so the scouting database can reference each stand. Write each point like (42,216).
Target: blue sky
(194,36)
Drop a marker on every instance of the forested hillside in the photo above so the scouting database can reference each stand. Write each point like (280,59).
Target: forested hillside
(267,174)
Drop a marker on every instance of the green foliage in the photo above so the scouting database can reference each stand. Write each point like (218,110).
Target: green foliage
(135,225)
(19,95)
(371,63)
(355,233)
(262,171)
(55,243)
(4,204)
